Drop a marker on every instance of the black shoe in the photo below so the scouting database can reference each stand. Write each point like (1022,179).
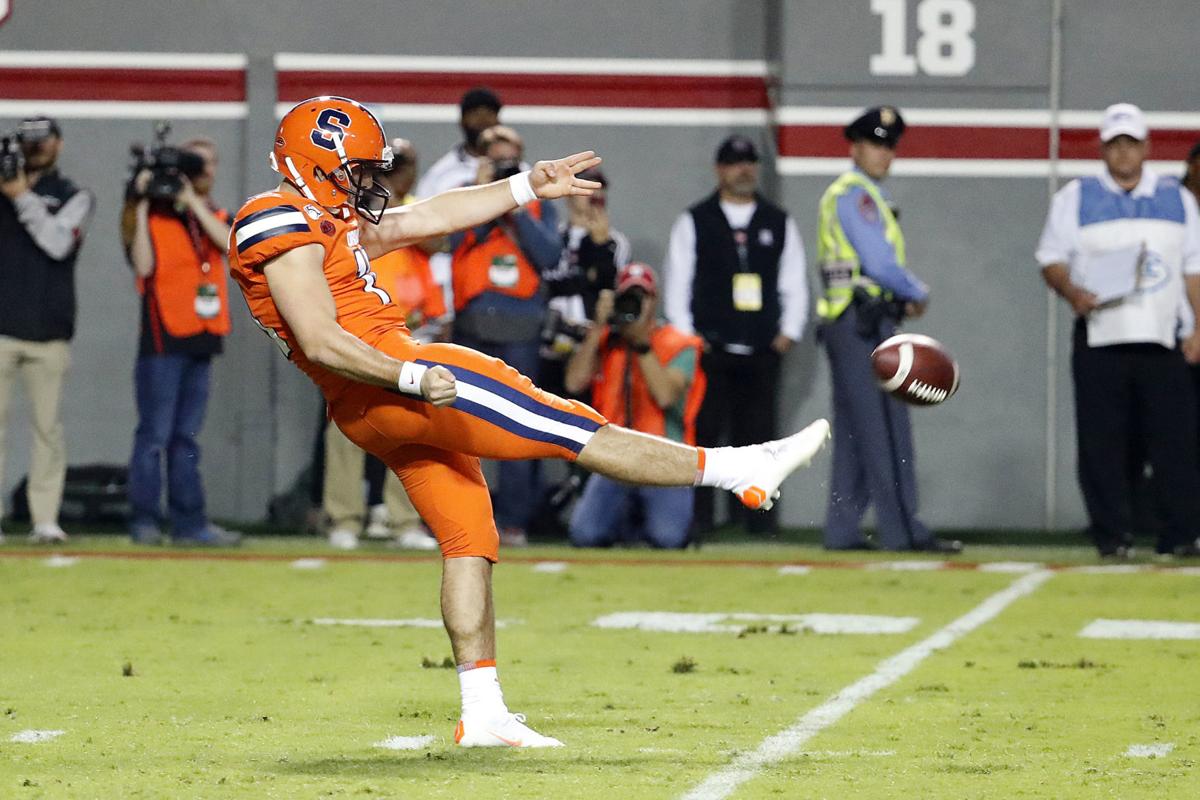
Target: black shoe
(946,547)
(860,546)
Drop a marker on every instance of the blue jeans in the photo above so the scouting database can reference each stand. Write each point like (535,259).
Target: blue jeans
(602,513)
(172,393)
(520,482)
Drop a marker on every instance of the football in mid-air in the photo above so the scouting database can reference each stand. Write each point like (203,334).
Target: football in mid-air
(915,369)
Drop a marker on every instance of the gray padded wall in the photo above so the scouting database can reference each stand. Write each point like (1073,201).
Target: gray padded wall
(981,458)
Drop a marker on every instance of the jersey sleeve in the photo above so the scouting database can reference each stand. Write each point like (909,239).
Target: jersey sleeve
(261,234)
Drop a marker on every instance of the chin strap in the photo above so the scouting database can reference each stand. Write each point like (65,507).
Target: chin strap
(295,173)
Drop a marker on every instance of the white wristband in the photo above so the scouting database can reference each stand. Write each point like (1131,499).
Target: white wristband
(521,188)
(410,377)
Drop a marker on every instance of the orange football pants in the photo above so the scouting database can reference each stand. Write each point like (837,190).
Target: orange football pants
(498,414)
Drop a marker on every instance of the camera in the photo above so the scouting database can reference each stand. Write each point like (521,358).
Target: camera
(12,161)
(627,307)
(168,165)
(560,335)
(505,168)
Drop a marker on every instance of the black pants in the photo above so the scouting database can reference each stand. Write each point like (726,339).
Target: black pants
(739,408)
(1141,389)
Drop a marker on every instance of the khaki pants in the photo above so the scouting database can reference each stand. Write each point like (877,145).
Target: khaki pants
(343,498)
(41,367)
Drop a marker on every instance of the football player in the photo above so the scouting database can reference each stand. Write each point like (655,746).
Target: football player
(302,256)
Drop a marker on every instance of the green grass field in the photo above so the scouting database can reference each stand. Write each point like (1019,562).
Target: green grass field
(208,677)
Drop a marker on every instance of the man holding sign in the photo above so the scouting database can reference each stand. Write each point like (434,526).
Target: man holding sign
(1123,248)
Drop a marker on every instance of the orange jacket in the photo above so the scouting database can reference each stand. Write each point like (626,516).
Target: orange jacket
(405,275)
(187,287)
(494,265)
(608,387)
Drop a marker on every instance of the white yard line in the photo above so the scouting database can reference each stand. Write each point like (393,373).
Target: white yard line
(794,569)
(908,566)
(737,621)
(788,742)
(1140,629)
(34,737)
(550,566)
(308,563)
(1016,567)
(1150,750)
(61,561)
(405,742)
(391,623)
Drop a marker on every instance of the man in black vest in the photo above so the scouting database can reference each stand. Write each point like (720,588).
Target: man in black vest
(735,275)
(42,219)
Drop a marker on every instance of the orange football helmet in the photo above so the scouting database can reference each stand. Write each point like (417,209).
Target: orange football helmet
(330,148)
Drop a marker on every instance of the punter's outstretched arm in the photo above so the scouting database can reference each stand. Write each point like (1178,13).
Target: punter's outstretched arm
(300,292)
(473,205)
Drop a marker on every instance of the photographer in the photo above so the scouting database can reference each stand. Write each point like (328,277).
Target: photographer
(42,220)
(644,375)
(175,239)
(500,302)
(593,251)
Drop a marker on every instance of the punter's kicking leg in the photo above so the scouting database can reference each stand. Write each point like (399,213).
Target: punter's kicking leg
(500,414)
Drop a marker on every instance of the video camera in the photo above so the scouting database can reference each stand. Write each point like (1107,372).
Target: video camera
(168,165)
(12,161)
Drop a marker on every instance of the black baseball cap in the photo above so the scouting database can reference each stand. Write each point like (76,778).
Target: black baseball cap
(737,149)
(35,129)
(479,97)
(882,125)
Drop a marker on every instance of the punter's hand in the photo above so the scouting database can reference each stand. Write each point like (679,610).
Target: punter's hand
(551,179)
(438,386)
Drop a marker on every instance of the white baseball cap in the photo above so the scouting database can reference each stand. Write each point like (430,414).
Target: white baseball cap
(1123,119)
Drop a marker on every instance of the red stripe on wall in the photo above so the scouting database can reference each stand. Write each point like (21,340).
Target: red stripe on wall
(108,83)
(635,91)
(948,141)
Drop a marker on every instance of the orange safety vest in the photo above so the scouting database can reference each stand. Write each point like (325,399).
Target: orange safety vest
(494,265)
(187,288)
(608,387)
(405,275)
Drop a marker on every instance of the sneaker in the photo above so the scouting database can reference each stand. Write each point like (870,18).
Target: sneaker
(211,536)
(145,535)
(511,536)
(343,539)
(415,537)
(778,460)
(48,533)
(508,731)
(379,523)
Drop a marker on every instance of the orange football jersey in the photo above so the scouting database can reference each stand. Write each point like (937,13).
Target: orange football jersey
(273,223)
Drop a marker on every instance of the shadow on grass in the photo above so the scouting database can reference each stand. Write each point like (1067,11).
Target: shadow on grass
(432,764)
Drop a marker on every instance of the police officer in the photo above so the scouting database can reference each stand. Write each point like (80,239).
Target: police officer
(868,290)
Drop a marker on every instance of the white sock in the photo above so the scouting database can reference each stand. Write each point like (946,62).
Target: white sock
(724,467)
(481,695)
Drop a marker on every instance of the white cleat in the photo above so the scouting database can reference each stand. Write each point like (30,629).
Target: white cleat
(507,731)
(778,460)
(48,533)
(343,539)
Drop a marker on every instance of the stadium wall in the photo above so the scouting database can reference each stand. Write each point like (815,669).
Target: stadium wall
(1002,99)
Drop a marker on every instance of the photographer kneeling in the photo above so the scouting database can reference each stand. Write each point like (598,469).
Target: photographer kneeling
(175,239)
(644,375)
